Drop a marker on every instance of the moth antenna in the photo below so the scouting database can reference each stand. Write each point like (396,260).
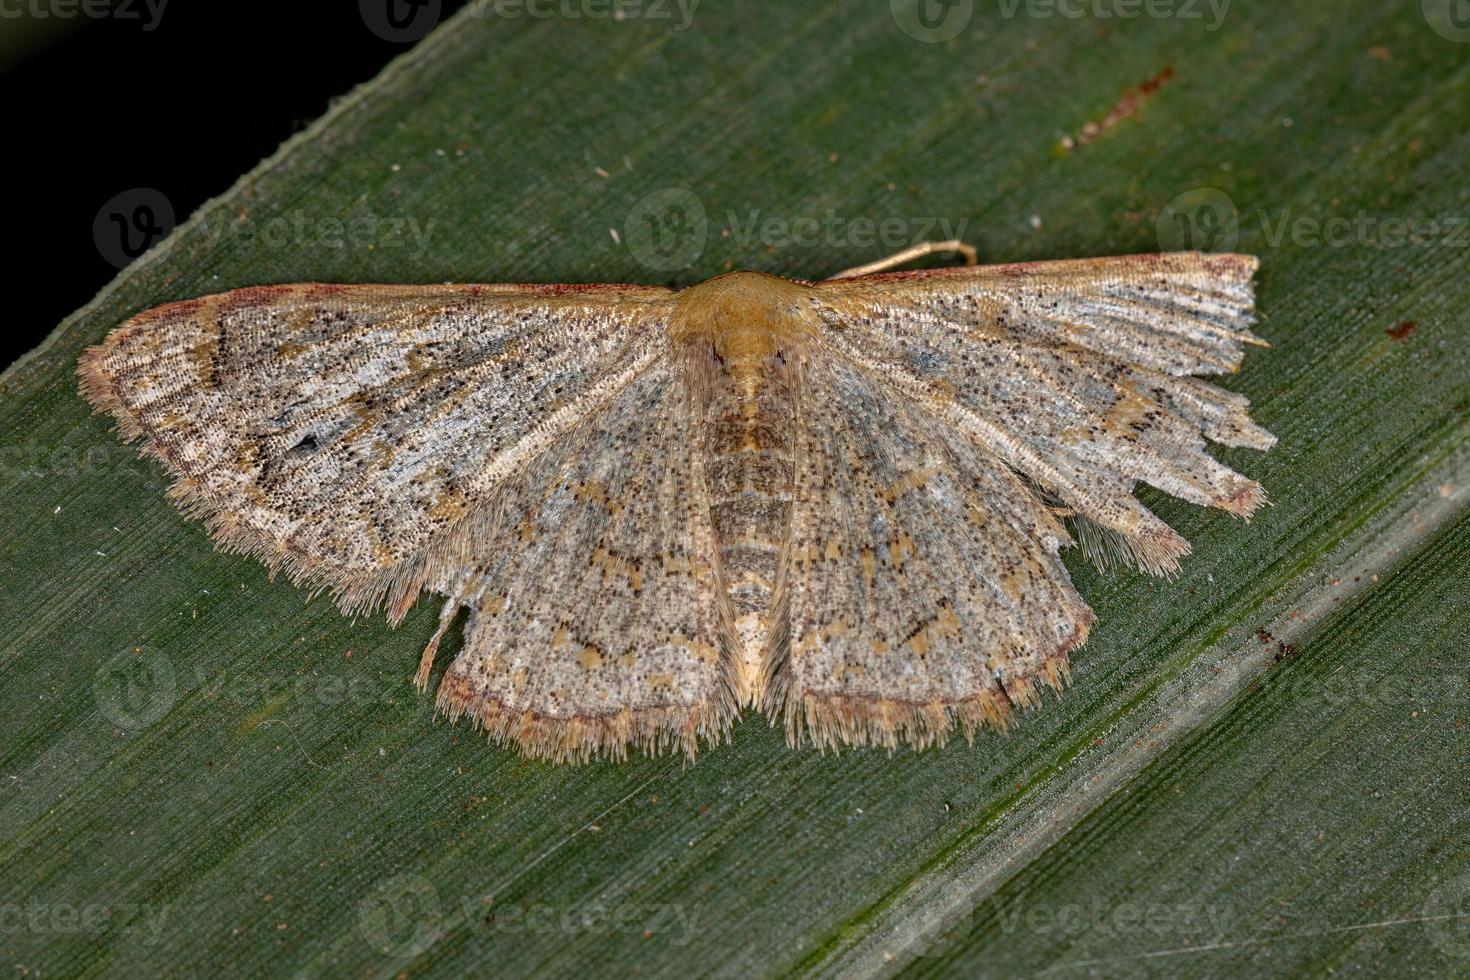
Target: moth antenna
(908,255)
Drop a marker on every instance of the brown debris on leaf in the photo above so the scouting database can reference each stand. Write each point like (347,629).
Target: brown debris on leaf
(1128,104)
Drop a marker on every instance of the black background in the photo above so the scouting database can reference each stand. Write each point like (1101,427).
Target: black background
(96,106)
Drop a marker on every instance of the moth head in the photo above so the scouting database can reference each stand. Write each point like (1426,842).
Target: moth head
(744,315)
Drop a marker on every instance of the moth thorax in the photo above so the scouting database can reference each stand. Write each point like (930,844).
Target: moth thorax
(746,318)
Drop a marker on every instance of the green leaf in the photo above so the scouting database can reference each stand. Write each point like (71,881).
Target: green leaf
(1318,825)
(205,774)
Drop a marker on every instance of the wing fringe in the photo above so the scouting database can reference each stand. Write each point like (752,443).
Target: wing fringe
(835,721)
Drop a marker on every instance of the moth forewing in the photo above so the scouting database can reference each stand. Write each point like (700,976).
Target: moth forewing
(835,501)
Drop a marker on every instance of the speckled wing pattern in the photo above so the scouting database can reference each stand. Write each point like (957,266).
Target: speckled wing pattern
(841,502)
(945,411)
(351,435)
(1077,374)
(923,581)
(595,616)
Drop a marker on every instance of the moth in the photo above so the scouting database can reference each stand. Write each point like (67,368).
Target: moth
(839,502)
